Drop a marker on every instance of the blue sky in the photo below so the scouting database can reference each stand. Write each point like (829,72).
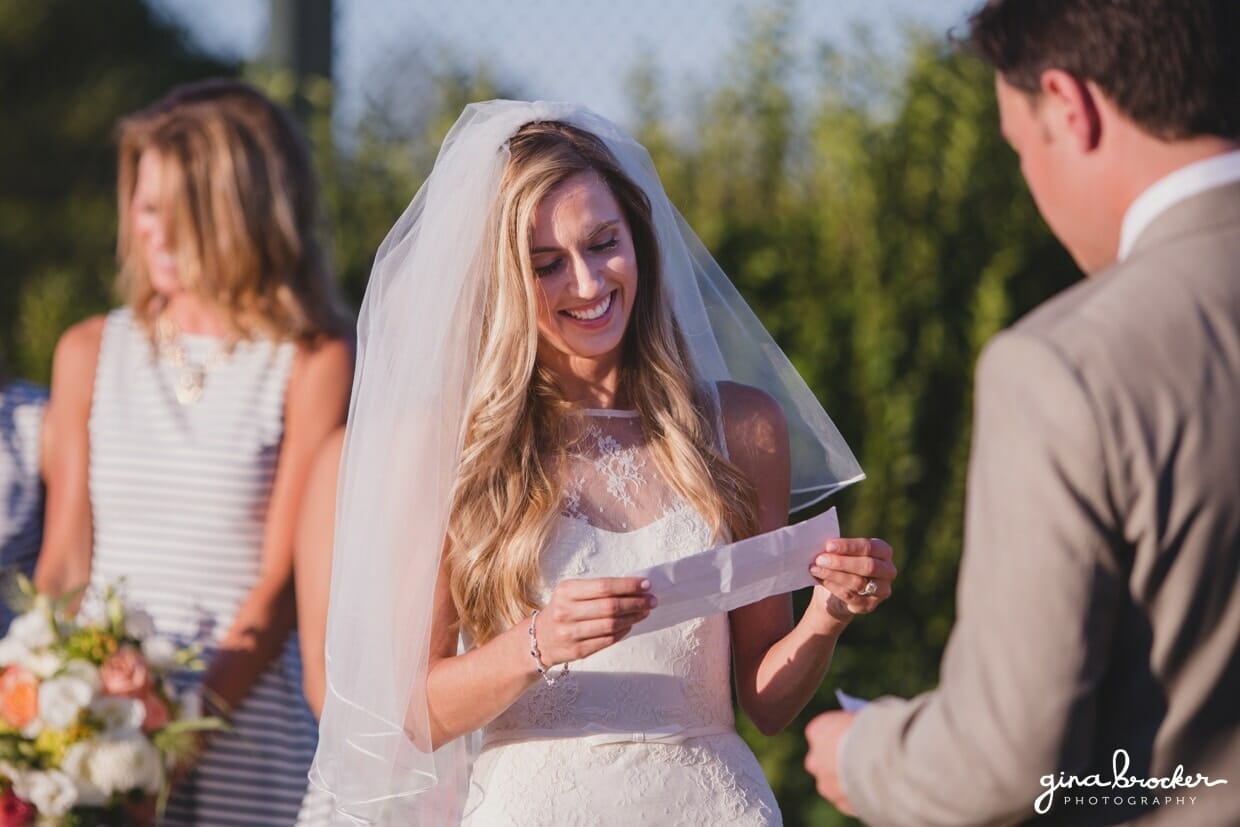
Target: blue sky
(579,50)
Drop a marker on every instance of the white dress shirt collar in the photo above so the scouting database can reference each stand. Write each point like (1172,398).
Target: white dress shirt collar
(1185,182)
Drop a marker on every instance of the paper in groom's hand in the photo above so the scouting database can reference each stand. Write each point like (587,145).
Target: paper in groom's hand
(850,703)
(737,574)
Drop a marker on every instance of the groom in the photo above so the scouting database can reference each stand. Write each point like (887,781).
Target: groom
(1093,675)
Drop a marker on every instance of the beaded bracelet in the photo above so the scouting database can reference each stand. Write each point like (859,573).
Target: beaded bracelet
(547,677)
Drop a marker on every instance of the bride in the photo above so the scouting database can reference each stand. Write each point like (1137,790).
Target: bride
(557,387)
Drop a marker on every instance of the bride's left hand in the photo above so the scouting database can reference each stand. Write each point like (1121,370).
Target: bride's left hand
(845,568)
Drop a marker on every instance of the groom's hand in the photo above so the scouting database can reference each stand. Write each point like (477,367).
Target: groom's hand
(584,616)
(824,734)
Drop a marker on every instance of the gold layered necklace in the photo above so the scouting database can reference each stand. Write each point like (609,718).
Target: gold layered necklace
(191,376)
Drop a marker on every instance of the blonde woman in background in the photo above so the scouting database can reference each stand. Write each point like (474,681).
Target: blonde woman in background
(182,426)
(547,396)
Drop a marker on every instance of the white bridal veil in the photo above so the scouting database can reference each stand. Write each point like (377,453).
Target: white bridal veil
(417,343)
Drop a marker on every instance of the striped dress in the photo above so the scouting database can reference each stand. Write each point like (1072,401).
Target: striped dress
(179,498)
(21,489)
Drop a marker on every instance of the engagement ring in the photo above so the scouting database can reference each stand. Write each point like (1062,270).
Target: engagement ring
(870,587)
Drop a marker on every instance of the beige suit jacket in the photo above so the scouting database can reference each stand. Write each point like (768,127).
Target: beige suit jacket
(1099,594)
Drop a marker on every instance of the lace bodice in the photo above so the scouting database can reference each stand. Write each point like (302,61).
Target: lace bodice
(641,731)
(611,479)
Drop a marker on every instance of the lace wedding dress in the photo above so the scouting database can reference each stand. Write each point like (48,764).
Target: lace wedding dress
(641,732)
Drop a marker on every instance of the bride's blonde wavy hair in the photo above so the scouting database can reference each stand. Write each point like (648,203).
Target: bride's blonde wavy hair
(520,426)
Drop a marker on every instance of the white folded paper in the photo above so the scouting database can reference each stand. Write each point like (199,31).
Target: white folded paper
(728,577)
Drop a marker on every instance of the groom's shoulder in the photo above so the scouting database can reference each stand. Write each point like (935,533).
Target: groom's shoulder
(1077,320)
(1142,317)
(1068,309)
(1183,265)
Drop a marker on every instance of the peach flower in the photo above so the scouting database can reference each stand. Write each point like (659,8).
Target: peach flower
(125,673)
(19,696)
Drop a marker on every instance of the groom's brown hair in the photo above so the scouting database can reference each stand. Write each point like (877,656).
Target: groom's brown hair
(1171,66)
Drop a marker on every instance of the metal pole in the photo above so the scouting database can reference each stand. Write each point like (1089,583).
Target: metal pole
(300,41)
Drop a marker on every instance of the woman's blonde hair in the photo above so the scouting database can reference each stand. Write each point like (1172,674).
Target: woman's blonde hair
(240,202)
(519,425)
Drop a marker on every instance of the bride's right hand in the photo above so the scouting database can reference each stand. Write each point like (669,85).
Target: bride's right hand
(584,616)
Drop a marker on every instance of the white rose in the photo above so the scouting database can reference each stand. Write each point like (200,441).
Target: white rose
(119,715)
(32,630)
(139,624)
(76,764)
(118,764)
(83,670)
(53,793)
(42,664)
(160,653)
(62,698)
(12,652)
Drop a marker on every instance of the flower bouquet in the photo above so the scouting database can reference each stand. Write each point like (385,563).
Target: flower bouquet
(90,723)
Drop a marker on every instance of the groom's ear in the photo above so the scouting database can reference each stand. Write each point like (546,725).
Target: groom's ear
(1070,109)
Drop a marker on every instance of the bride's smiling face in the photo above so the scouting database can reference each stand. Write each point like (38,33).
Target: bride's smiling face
(586,272)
